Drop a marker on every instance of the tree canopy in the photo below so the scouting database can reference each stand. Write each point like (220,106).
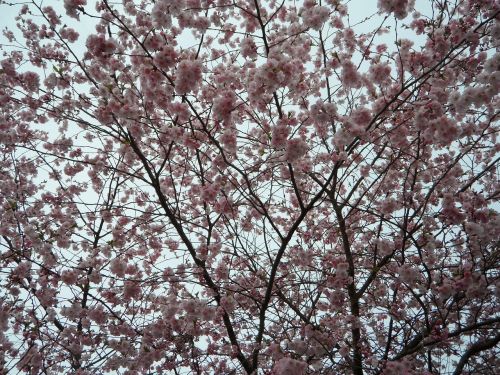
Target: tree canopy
(250,187)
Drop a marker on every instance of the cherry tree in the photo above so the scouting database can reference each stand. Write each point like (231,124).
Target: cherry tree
(250,186)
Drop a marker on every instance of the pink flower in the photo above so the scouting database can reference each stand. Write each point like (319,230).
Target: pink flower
(384,247)
(165,58)
(397,368)
(400,8)
(69,276)
(248,48)
(380,73)
(69,34)
(223,105)
(132,290)
(51,14)
(408,274)
(289,366)
(31,81)
(188,76)
(228,139)
(161,15)
(361,117)
(72,6)
(99,46)
(279,136)
(315,16)
(118,267)
(295,149)
(22,270)
(350,76)
(388,206)
(341,270)
(97,315)
(226,207)
(341,138)
(209,192)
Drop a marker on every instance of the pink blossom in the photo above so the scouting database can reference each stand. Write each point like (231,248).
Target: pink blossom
(160,14)
(226,206)
(69,34)
(132,290)
(31,81)
(408,274)
(173,245)
(224,105)
(341,139)
(388,206)
(397,368)
(72,6)
(323,115)
(166,58)
(22,270)
(51,15)
(400,8)
(99,46)
(228,139)
(380,73)
(97,314)
(118,267)
(209,192)
(341,270)
(289,366)
(248,48)
(350,76)
(188,76)
(315,16)
(69,276)
(361,117)
(384,247)
(279,136)
(295,149)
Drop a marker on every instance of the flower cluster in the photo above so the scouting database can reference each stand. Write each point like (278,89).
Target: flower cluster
(280,135)
(72,6)
(400,8)
(166,57)
(163,11)
(188,76)
(289,366)
(248,48)
(350,76)
(314,16)
(224,105)
(99,46)
(296,148)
